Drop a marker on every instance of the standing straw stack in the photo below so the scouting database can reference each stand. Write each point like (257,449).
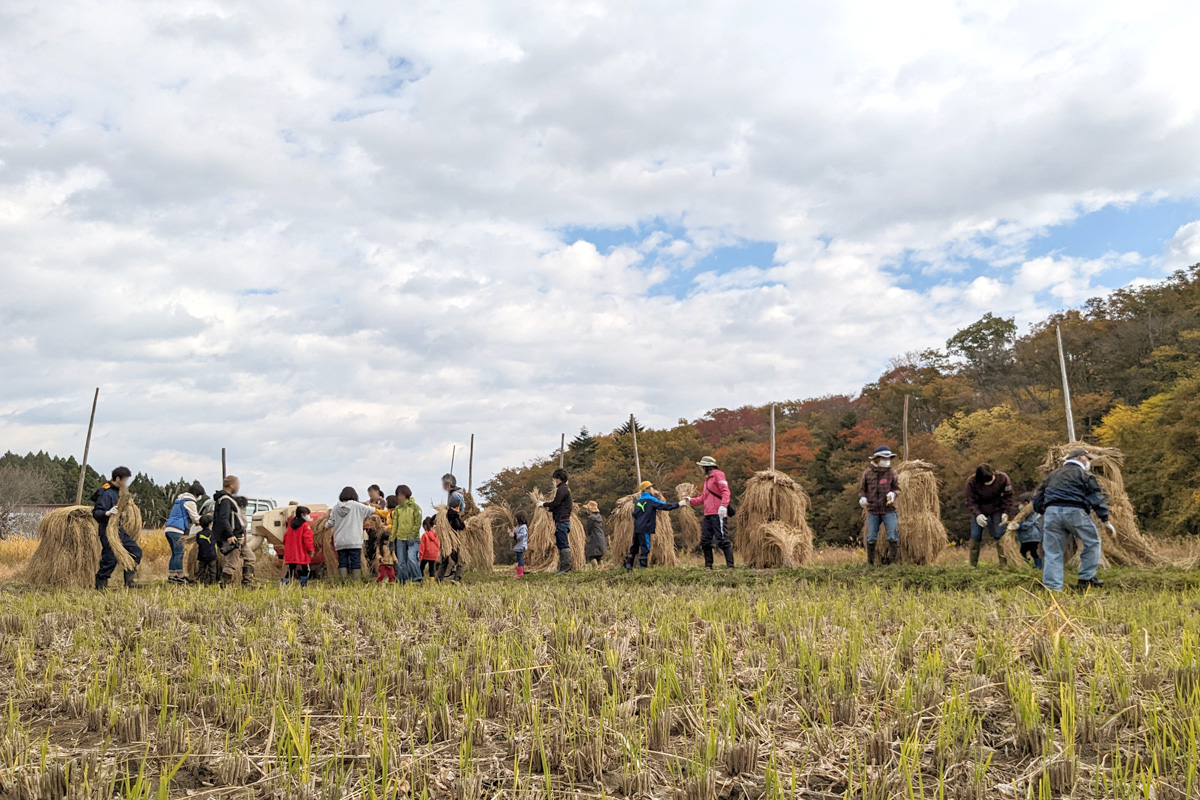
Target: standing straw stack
(689,524)
(922,535)
(662,543)
(542,555)
(1129,547)
(322,540)
(577,538)
(772,522)
(478,553)
(68,551)
(129,515)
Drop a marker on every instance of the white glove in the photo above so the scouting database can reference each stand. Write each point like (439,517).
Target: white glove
(722,512)
(112,512)
(982,520)
(891,498)
(685,501)
(1013,527)
(862,501)
(1003,519)
(1112,529)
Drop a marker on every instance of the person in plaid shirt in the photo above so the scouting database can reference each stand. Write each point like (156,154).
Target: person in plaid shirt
(877,493)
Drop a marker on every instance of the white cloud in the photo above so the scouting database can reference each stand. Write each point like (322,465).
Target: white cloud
(328,237)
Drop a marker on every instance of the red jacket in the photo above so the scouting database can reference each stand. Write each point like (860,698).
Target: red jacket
(430,546)
(715,493)
(297,544)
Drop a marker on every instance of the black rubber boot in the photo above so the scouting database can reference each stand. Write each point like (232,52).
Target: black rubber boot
(727,548)
(975,546)
(893,553)
(129,575)
(871,553)
(708,557)
(564,560)
(101,584)
(247,575)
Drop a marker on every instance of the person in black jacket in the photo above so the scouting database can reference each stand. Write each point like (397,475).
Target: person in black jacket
(229,530)
(104,511)
(560,510)
(1065,500)
(645,523)
(450,564)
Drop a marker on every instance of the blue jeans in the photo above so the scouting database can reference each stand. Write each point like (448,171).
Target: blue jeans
(562,535)
(350,559)
(1059,524)
(889,521)
(994,528)
(408,560)
(520,558)
(175,565)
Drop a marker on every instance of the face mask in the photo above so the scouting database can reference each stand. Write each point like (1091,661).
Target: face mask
(884,462)
(308,518)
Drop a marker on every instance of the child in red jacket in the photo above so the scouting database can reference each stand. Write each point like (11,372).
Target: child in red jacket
(298,546)
(429,548)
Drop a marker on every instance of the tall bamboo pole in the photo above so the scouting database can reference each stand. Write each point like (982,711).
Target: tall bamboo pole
(453,452)
(637,460)
(224,471)
(562,451)
(1062,363)
(471,466)
(772,437)
(905,447)
(87,445)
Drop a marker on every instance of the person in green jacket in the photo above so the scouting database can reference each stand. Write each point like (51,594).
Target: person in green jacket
(406,536)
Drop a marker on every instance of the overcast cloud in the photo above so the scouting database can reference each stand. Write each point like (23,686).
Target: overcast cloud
(337,238)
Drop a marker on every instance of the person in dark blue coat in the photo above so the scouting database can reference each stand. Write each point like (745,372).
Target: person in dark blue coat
(1066,499)
(645,521)
(104,510)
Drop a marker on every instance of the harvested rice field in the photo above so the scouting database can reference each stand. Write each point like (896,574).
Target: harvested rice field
(829,682)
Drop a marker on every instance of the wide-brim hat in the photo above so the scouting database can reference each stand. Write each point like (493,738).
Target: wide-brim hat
(707,461)
(883,452)
(592,506)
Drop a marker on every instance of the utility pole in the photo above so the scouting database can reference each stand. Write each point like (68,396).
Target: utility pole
(87,445)
(1062,363)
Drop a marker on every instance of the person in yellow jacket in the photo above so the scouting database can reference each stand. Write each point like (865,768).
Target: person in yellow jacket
(406,536)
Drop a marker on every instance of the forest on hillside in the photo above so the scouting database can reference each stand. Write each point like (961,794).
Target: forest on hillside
(992,394)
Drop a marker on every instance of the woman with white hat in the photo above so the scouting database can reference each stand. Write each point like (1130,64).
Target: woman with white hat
(877,492)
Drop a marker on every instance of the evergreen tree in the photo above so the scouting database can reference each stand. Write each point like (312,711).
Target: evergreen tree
(581,452)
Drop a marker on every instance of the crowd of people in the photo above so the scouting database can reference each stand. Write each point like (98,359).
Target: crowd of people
(400,545)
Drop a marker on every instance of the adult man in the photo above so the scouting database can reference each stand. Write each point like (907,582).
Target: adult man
(645,523)
(1065,500)
(229,533)
(182,517)
(877,491)
(714,497)
(105,510)
(560,511)
(989,499)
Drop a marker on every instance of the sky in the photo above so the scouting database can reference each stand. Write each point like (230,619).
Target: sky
(339,238)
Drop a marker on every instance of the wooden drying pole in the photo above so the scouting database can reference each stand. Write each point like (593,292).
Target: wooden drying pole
(471,466)
(562,451)
(637,460)
(87,445)
(453,451)
(772,437)
(905,446)
(224,472)
(1062,363)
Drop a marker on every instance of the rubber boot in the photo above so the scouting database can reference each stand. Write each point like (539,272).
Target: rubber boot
(975,552)
(727,548)
(129,574)
(564,560)
(871,553)
(893,552)
(708,556)
(520,571)
(226,580)
(101,584)
(1000,554)
(343,573)
(247,575)
(356,576)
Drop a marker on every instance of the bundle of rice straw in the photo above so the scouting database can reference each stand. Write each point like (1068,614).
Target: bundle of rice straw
(68,551)
(542,555)
(772,522)
(620,538)
(131,521)
(689,524)
(1009,545)
(477,542)
(323,540)
(1129,547)
(502,529)
(922,535)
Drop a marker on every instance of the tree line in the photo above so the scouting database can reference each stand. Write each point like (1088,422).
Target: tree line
(991,394)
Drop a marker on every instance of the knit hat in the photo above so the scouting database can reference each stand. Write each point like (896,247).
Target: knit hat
(644,485)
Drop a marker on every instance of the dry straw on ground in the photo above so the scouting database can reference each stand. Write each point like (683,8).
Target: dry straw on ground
(1129,547)
(662,543)
(68,551)
(688,538)
(772,526)
(922,535)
